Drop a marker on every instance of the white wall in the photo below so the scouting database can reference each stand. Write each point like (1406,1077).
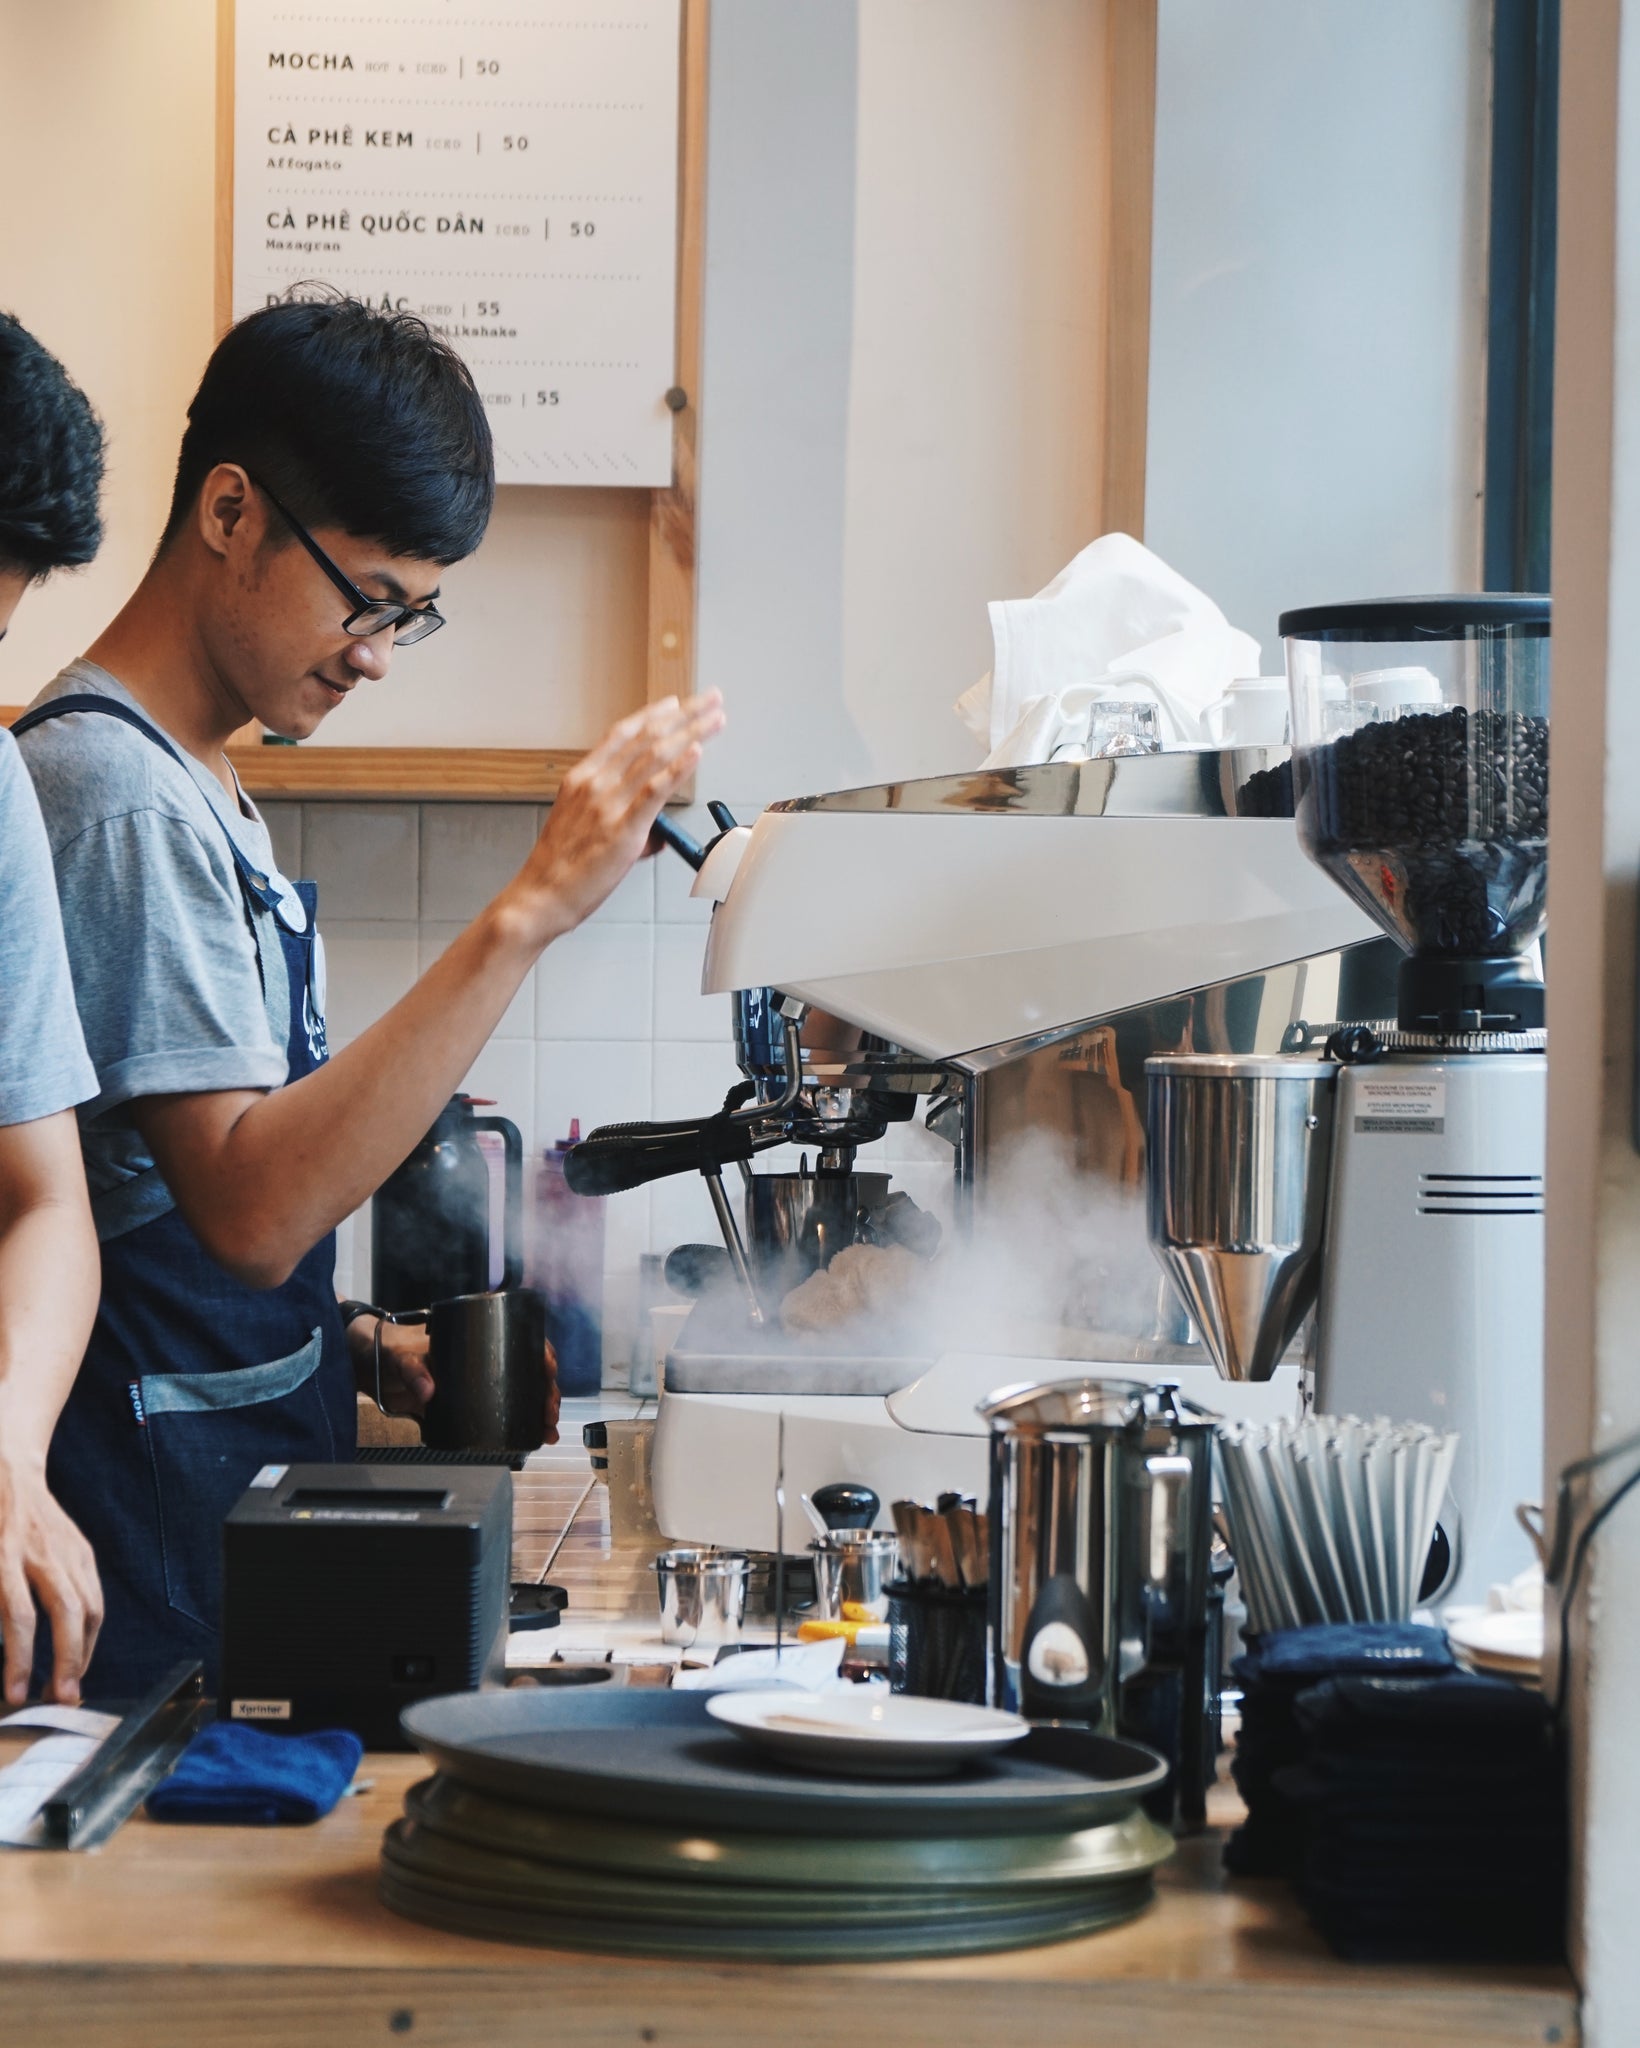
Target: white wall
(1318,363)
(904,334)
(975,412)
(779,309)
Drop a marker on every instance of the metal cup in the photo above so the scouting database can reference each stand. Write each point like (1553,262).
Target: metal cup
(702,1596)
(1240,1147)
(853,1566)
(798,1222)
(488,1357)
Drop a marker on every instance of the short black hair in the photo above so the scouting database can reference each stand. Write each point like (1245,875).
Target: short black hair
(353,418)
(51,460)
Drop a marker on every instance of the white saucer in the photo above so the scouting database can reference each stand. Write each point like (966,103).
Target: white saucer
(868,1732)
(1511,1641)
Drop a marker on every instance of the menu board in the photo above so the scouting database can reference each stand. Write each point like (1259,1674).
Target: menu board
(507,169)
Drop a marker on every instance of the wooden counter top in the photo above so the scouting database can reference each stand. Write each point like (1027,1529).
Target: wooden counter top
(240,1938)
(246,1937)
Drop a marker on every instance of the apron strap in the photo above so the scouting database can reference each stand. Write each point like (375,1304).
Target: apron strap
(254,888)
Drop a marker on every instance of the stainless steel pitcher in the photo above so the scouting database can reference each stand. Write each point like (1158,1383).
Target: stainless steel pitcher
(1100,1505)
(1057,1470)
(488,1357)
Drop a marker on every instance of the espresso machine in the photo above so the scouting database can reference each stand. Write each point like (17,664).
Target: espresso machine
(1390,1174)
(992,955)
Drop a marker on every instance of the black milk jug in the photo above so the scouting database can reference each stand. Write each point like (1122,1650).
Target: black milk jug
(430,1220)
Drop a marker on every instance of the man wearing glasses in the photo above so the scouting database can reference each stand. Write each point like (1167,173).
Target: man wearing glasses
(335,461)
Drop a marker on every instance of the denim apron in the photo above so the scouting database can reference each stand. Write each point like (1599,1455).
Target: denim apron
(192,1380)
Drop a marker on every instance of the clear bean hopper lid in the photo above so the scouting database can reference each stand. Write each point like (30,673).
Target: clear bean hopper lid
(1421,763)
(1421,768)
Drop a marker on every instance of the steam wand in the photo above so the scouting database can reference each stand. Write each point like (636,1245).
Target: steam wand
(713,1177)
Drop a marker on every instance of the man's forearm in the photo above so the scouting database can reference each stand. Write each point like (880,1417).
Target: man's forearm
(48,1281)
(290,1165)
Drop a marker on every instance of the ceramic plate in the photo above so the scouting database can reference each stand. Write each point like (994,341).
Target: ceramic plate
(1510,1639)
(867,1732)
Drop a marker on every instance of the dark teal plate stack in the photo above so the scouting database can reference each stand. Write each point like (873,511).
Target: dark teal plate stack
(630,1822)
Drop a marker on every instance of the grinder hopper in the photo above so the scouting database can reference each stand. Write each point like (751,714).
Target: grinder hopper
(1240,1146)
(1421,778)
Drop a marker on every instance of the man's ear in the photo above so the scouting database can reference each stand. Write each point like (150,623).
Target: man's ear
(229,512)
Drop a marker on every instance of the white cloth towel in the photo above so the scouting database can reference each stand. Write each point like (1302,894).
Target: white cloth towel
(1116,623)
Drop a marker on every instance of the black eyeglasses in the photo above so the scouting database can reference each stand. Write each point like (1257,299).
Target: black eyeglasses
(370,615)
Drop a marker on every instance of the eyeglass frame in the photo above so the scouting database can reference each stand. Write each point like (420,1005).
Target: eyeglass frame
(430,617)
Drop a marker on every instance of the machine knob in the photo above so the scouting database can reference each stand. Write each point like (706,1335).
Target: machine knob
(843,1506)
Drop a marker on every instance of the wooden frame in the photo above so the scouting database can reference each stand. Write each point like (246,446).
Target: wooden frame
(1130,142)
(522,774)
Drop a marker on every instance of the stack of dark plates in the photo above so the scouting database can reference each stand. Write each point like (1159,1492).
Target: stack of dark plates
(631,1822)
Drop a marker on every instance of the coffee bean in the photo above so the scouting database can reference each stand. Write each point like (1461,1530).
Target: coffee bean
(1452,809)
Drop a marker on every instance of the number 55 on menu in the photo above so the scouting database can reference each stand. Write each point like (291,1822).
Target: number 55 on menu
(507,169)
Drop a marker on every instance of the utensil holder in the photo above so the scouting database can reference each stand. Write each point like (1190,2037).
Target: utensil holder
(937,1641)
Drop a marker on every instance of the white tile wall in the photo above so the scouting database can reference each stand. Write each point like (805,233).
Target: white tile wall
(610,1027)
(468,851)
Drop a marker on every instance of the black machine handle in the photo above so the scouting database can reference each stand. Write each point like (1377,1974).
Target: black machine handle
(512,1266)
(622,1156)
(683,843)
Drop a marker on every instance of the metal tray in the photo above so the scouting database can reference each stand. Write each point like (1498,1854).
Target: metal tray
(658,1757)
(464,1910)
(629,1849)
(520,1881)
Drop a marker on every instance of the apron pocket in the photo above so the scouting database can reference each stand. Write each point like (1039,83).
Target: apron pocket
(208,1434)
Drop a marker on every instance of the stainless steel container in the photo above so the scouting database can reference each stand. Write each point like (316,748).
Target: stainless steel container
(1171,1608)
(1058,1464)
(1240,1146)
(853,1567)
(1101,1503)
(702,1596)
(798,1222)
(488,1357)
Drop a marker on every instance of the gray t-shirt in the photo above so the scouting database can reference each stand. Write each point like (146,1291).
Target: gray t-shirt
(43,1063)
(165,969)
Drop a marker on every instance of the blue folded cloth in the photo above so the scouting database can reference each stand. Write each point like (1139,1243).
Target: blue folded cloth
(245,1777)
(1278,1669)
(1336,1649)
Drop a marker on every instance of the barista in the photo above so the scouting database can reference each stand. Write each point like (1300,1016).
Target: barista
(336,461)
(50,473)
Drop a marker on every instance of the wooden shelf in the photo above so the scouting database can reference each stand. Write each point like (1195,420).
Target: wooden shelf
(454,774)
(520,775)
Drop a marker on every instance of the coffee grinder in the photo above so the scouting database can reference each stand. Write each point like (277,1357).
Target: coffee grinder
(1420,775)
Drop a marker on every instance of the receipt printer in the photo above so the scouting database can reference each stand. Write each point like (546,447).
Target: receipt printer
(348,1591)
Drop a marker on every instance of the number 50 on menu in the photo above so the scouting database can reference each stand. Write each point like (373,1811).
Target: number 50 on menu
(509,172)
